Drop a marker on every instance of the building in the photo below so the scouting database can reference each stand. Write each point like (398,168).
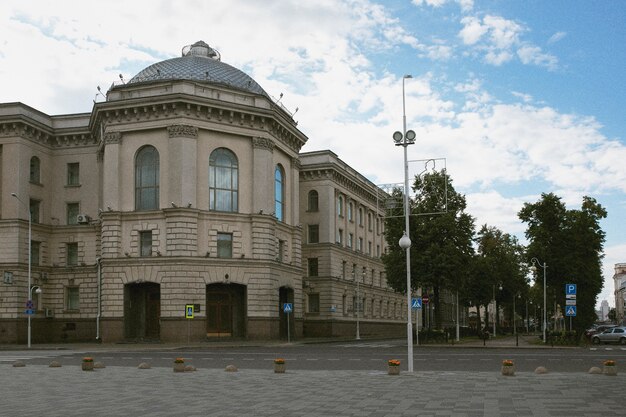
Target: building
(604,310)
(183,188)
(619,282)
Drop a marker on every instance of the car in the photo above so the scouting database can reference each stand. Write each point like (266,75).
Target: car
(612,335)
(595,329)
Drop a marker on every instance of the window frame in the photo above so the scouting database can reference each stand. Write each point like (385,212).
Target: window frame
(223,181)
(71,254)
(71,218)
(146,242)
(73,174)
(313,267)
(147,190)
(226,245)
(313,233)
(313,303)
(279,193)
(313,201)
(34,175)
(70,298)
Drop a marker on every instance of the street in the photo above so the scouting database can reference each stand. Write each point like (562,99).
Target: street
(362,356)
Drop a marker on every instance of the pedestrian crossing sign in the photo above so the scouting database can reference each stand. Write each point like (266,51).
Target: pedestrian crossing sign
(189,311)
(570,311)
(287,307)
(416,303)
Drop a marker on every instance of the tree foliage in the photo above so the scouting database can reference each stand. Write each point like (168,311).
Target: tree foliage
(441,248)
(570,243)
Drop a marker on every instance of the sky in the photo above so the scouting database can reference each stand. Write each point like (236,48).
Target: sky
(519,97)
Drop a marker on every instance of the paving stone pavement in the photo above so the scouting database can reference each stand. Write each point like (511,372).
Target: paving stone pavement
(37,390)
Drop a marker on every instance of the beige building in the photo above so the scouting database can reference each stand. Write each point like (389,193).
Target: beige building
(619,282)
(185,187)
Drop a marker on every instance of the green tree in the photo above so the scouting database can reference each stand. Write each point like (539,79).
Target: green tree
(441,233)
(499,264)
(570,242)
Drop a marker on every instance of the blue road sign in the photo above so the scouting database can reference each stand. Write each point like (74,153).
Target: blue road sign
(570,311)
(570,289)
(29,312)
(189,311)
(416,303)
(288,307)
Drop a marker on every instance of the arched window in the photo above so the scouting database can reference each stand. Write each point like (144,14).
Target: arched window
(279,193)
(147,179)
(313,201)
(35,175)
(223,181)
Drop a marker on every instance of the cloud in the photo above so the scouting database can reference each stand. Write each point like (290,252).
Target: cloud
(557,37)
(533,55)
(466,5)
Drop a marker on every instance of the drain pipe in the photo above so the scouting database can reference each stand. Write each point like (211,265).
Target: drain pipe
(99,296)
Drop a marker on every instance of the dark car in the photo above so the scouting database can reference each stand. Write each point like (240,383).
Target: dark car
(612,335)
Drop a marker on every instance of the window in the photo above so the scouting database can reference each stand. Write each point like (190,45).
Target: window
(369,248)
(360,216)
(313,201)
(73,171)
(344,304)
(314,303)
(71,254)
(72,298)
(359,244)
(350,239)
(34,252)
(340,236)
(223,181)
(279,193)
(72,210)
(378,251)
(343,269)
(312,262)
(314,233)
(369,221)
(377,226)
(145,243)
(224,245)
(350,206)
(281,251)
(147,179)
(34,210)
(35,174)
(340,206)
(354,272)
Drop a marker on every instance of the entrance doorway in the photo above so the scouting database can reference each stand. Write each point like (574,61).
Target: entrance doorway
(225,310)
(142,311)
(285,295)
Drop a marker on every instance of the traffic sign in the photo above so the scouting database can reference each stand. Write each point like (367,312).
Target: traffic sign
(570,311)
(287,308)
(569,302)
(29,304)
(189,311)
(29,312)
(425,299)
(416,303)
(570,296)
(570,289)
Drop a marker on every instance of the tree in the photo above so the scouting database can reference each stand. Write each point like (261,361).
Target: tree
(499,264)
(441,247)
(570,242)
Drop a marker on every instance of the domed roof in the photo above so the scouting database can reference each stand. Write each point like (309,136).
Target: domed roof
(199,62)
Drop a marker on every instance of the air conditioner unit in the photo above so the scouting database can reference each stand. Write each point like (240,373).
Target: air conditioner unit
(82,219)
(49,312)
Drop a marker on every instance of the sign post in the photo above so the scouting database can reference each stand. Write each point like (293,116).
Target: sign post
(287,309)
(416,304)
(189,309)
(570,302)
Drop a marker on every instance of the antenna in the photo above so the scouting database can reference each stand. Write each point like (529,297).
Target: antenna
(99,93)
(122,78)
(280,98)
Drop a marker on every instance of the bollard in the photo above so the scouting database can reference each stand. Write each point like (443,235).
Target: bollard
(516,339)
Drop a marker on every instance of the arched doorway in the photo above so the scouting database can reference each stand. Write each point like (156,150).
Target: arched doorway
(285,295)
(225,310)
(142,311)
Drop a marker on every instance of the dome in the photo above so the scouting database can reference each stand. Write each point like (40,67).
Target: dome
(199,62)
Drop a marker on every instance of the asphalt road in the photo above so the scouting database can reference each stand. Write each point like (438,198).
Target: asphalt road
(338,356)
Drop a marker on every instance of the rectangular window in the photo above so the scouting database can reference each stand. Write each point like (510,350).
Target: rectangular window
(360,216)
(281,251)
(369,221)
(145,243)
(343,269)
(73,171)
(314,303)
(314,233)
(378,251)
(224,245)
(72,254)
(72,211)
(369,248)
(359,244)
(34,210)
(72,298)
(340,236)
(312,262)
(34,252)
(350,239)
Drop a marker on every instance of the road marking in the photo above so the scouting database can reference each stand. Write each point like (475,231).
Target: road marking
(312,359)
(354,359)
(531,359)
(207,359)
(249,359)
(463,359)
(127,357)
(334,359)
(440,359)
(488,359)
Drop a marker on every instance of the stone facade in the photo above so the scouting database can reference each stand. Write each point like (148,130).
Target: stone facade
(121,247)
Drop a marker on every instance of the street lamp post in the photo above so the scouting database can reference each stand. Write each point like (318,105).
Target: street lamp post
(30,255)
(495,309)
(535,261)
(404,139)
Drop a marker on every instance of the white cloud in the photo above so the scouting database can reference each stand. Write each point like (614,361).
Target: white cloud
(533,55)
(466,5)
(557,37)
(472,30)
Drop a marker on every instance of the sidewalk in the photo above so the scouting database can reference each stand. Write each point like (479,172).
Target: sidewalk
(125,391)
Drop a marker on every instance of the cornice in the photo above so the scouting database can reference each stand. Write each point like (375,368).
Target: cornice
(263,143)
(187,131)
(46,137)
